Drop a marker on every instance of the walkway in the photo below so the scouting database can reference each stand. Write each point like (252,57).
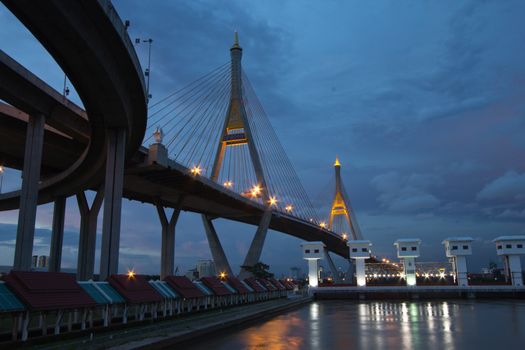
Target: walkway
(169,332)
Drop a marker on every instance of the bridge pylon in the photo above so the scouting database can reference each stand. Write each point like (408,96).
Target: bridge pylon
(341,207)
(236,131)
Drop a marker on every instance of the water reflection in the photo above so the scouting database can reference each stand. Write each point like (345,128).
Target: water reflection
(276,334)
(384,325)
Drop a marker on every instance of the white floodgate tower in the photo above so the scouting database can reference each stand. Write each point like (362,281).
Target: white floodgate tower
(408,250)
(313,251)
(457,249)
(360,251)
(511,248)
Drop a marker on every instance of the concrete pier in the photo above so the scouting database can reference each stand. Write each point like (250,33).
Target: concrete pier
(57,234)
(217,252)
(457,249)
(408,250)
(116,149)
(360,251)
(88,234)
(167,256)
(313,252)
(254,253)
(25,233)
(511,248)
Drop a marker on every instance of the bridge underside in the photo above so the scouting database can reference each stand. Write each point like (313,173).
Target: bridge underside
(69,133)
(156,183)
(163,185)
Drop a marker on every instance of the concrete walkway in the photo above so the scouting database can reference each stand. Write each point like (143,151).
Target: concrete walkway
(163,334)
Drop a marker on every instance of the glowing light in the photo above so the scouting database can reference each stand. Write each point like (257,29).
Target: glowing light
(322,224)
(222,275)
(255,191)
(289,208)
(337,163)
(344,236)
(411,281)
(196,170)
(228,184)
(273,201)
(1,169)
(441,275)
(131,273)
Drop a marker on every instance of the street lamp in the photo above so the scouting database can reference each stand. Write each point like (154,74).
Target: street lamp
(148,70)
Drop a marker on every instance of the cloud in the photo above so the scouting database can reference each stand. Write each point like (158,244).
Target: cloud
(406,193)
(512,214)
(509,187)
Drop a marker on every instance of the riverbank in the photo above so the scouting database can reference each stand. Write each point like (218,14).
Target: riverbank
(174,331)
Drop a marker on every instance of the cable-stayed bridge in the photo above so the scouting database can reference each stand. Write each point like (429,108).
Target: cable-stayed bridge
(208,148)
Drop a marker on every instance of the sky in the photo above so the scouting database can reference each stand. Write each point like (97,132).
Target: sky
(424,103)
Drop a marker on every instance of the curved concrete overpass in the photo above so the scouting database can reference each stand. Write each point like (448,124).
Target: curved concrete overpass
(89,42)
(99,59)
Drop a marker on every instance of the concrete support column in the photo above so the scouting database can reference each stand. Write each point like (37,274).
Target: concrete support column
(360,272)
(29,193)
(116,152)
(331,264)
(359,252)
(219,258)
(88,234)
(57,236)
(461,270)
(312,252)
(254,253)
(513,263)
(409,266)
(167,257)
(313,272)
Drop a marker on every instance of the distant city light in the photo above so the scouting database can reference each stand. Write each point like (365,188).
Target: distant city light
(131,273)
(344,236)
(289,208)
(272,201)
(322,224)
(228,184)
(222,275)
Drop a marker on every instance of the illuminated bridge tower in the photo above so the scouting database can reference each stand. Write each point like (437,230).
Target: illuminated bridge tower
(236,129)
(341,209)
(236,132)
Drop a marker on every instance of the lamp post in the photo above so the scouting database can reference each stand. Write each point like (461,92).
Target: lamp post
(148,70)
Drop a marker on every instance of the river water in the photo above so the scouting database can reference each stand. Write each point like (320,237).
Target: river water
(383,325)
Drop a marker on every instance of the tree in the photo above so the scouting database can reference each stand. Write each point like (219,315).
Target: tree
(259,270)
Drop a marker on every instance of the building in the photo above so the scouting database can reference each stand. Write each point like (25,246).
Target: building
(205,268)
(43,261)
